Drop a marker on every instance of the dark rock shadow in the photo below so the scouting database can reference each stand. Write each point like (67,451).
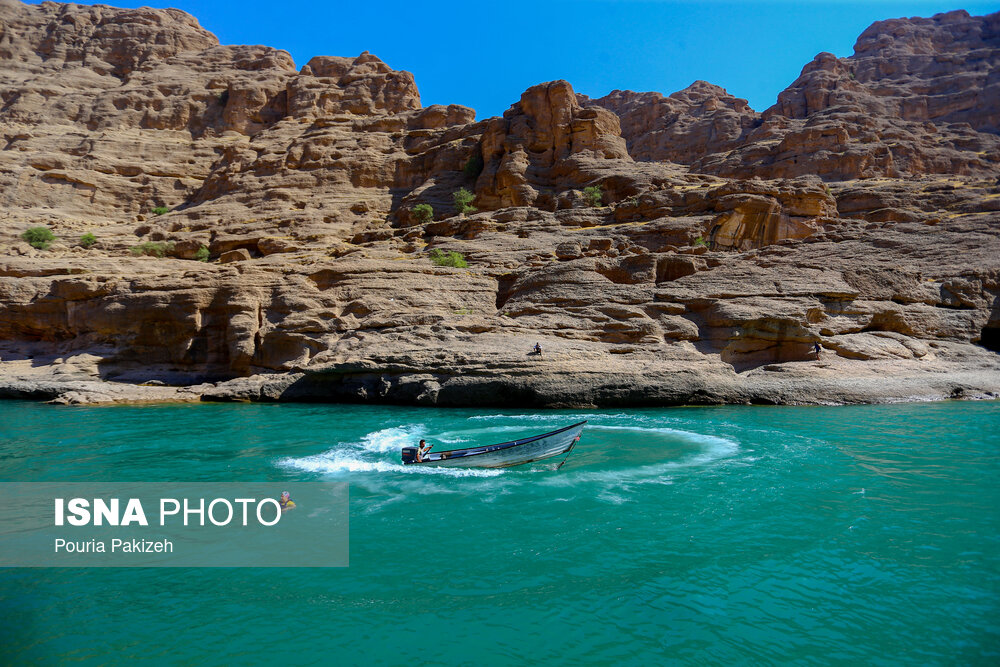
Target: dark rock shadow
(989,336)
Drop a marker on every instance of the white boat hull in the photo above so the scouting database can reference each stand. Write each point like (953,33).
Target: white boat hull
(504,455)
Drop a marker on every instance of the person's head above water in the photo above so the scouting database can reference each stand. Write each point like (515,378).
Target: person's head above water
(285,494)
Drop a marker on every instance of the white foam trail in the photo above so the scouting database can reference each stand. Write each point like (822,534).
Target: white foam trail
(393,438)
(712,441)
(714,449)
(337,461)
(334,462)
(369,456)
(550,417)
(613,498)
(378,506)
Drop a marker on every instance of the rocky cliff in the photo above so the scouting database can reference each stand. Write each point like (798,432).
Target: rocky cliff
(661,249)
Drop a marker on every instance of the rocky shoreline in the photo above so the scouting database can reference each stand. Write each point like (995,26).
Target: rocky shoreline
(564,377)
(228,226)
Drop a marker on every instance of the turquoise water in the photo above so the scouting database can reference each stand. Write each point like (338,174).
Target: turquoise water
(729,535)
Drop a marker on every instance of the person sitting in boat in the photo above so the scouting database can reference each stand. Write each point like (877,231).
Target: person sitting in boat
(423,450)
(286,501)
(538,349)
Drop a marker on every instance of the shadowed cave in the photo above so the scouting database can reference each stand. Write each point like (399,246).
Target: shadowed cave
(990,338)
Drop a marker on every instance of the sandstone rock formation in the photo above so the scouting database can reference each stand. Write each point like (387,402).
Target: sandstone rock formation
(917,97)
(858,212)
(543,146)
(701,119)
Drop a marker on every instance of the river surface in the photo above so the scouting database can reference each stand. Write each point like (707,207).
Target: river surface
(730,535)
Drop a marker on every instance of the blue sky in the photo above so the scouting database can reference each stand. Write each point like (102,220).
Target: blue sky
(483,55)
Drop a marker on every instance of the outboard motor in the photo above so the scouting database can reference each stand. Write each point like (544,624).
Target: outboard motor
(409,454)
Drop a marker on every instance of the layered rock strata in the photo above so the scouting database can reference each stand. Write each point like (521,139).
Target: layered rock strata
(918,96)
(858,213)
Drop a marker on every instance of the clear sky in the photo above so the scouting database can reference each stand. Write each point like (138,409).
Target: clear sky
(485,54)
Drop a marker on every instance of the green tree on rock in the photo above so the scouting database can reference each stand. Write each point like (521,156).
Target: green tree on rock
(594,195)
(463,201)
(423,213)
(39,237)
(455,259)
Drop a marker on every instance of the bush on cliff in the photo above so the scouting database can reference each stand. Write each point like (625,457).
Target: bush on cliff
(594,195)
(160,210)
(473,166)
(153,249)
(88,240)
(463,201)
(39,237)
(452,258)
(202,254)
(423,213)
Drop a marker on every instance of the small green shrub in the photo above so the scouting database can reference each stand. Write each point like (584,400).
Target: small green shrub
(160,210)
(201,254)
(473,166)
(594,195)
(463,201)
(455,259)
(700,241)
(153,248)
(88,240)
(423,213)
(826,189)
(39,237)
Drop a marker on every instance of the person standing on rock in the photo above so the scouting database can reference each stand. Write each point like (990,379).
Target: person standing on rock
(538,349)
(817,348)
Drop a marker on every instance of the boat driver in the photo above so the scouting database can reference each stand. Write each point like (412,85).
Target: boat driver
(423,450)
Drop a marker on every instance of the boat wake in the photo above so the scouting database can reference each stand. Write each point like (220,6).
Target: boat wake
(378,452)
(611,456)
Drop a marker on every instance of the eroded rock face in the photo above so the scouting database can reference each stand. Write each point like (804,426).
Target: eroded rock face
(723,246)
(104,40)
(755,214)
(543,146)
(939,70)
(364,86)
(917,97)
(702,118)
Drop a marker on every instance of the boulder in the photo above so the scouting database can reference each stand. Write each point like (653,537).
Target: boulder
(238,255)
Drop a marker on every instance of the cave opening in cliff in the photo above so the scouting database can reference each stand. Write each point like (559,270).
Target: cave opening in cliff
(989,337)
